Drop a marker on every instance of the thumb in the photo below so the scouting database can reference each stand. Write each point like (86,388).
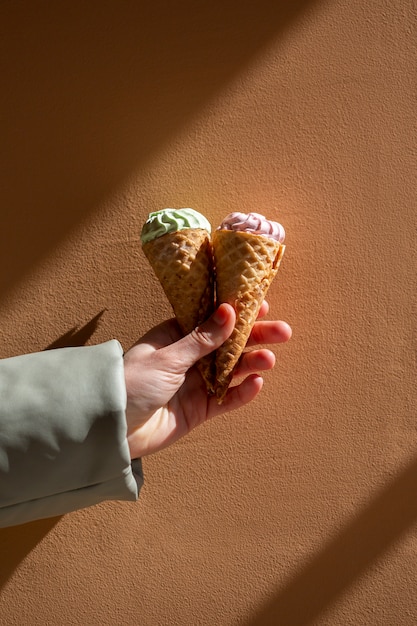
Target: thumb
(205,338)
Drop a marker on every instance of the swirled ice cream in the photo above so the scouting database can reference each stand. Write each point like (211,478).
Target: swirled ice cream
(177,244)
(247,250)
(170,221)
(254,223)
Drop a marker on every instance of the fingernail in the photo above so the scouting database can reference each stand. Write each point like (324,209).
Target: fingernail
(220,316)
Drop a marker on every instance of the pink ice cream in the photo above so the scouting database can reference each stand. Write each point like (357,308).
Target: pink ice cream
(254,223)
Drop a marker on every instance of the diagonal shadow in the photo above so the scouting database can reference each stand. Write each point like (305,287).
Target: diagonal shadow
(18,541)
(90,90)
(77,336)
(389,515)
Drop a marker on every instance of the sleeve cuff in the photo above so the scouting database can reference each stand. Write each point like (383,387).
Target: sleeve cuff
(63,430)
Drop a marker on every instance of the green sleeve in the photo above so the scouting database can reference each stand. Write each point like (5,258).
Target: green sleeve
(63,433)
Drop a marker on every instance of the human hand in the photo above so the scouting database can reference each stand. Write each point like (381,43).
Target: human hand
(166,395)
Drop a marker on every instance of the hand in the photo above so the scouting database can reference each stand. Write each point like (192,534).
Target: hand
(166,395)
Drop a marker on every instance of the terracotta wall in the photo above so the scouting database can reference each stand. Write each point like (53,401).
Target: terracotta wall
(301,509)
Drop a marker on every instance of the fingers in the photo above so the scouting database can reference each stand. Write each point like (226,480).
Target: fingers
(270,332)
(264,310)
(237,397)
(256,361)
(204,339)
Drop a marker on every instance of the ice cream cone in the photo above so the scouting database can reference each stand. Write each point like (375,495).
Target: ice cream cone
(183,264)
(246,264)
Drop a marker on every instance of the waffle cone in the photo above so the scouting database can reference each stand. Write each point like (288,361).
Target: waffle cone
(183,264)
(245,267)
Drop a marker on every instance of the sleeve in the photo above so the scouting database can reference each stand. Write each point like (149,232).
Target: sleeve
(63,428)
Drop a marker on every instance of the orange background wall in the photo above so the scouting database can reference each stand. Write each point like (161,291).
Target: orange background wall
(301,509)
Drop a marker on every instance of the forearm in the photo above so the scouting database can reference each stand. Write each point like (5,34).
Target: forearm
(63,433)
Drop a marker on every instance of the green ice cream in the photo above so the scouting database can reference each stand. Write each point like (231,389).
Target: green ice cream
(170,221)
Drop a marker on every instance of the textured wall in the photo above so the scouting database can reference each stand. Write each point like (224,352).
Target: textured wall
(301,509)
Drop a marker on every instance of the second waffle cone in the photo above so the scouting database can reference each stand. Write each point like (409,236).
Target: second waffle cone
(245,266)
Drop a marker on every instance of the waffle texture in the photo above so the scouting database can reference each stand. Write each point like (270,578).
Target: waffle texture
(183,264)
(245,266)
